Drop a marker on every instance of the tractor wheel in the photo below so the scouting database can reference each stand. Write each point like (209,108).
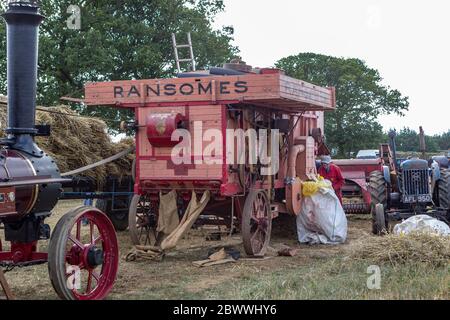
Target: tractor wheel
(444,190)
(378,195)
(380,220)
(256,223)
(119,218)
(143,220)
(83,255)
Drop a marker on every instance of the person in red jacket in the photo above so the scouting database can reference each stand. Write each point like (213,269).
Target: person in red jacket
(332,172)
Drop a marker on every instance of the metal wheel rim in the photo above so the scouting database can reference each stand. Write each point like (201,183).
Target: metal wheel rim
(63,270)
(141,231)
(256,223)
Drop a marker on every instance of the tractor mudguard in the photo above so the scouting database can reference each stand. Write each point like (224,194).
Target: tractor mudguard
(435,174)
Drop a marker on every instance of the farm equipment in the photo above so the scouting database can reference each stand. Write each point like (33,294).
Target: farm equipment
(406,188)
(83,252)
(355,192)
(282,113)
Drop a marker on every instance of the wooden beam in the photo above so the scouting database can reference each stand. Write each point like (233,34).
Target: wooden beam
(5,286)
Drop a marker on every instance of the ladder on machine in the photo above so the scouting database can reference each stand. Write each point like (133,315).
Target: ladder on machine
(176,46)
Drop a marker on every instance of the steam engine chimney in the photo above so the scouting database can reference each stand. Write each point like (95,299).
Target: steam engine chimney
(23,22)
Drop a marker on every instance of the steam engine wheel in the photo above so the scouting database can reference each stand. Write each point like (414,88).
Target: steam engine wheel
(83,255)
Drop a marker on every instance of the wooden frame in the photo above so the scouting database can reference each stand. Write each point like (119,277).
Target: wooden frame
(275,91)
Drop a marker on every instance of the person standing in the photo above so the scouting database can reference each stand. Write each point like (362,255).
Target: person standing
(332,172)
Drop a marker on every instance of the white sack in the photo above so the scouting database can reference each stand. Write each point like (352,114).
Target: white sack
(322,219)
(422,223)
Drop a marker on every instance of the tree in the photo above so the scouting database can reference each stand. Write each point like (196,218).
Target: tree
(120,40)
(360,95)
(443,140)
(407,140)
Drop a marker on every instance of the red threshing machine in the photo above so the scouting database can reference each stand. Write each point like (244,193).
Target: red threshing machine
(83,251)
(238,98)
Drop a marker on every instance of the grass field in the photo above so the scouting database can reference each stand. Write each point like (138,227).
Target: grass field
(317,272)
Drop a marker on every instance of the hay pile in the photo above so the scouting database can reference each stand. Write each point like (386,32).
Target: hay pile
(424,248)
(79,141)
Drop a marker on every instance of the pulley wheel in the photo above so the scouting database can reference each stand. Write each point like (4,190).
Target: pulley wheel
(83,255)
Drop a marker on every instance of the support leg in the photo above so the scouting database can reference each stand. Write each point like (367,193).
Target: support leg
(5,286)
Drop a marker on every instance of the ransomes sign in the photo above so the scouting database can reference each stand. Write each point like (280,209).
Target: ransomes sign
(185,89)
(275,90)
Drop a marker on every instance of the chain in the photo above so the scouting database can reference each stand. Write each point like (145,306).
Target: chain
(11,265)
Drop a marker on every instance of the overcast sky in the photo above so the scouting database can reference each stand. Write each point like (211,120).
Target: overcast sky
(407,41)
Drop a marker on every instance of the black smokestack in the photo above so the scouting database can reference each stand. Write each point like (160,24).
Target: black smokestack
(23,20)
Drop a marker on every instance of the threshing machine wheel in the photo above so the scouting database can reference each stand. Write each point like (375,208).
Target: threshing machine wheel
(378,195)
(143,220)
(256,223)
(83,255)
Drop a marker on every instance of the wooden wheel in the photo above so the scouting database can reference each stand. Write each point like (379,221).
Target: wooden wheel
(256,223)
(83,255)
(143,220)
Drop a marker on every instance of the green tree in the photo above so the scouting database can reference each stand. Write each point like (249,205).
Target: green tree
(407,140)
(361,98)
(120,40)
(443,140)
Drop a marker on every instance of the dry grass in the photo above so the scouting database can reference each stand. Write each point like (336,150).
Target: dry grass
(317,272)
(78,141)
(423,248)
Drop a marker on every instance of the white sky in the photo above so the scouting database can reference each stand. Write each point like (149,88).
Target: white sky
(407,41)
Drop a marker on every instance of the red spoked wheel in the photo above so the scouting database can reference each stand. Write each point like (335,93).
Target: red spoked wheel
(83,255)
(256,223)
(143,220)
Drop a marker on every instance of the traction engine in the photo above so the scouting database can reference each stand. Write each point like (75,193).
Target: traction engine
(83,253)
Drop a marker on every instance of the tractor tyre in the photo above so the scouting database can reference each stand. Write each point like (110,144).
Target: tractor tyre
(378,195)
(443,189)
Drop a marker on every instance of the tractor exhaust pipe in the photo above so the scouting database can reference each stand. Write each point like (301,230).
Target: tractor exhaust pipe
(392,134)
(23,20)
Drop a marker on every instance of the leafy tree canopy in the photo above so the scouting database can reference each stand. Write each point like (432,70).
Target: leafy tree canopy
(361,99)
(407,140)
(120,40)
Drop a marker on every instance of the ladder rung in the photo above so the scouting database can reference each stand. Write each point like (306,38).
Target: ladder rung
(185,60)
(183,46)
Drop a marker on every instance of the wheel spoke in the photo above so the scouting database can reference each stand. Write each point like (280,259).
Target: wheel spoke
(91,230)
(96,275)
(89,282)
(76,242)
(78,232)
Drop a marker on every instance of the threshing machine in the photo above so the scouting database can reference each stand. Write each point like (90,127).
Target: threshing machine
(405,188)
(83,252)
(212,108)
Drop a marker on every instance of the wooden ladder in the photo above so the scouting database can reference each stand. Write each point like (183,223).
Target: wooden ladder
(176,46)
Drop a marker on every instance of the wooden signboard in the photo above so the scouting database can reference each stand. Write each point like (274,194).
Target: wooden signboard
(267,90)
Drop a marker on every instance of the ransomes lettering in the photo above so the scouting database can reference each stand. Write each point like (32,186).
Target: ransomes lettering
(185,89)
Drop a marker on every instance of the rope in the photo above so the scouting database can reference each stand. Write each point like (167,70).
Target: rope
(99,163)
